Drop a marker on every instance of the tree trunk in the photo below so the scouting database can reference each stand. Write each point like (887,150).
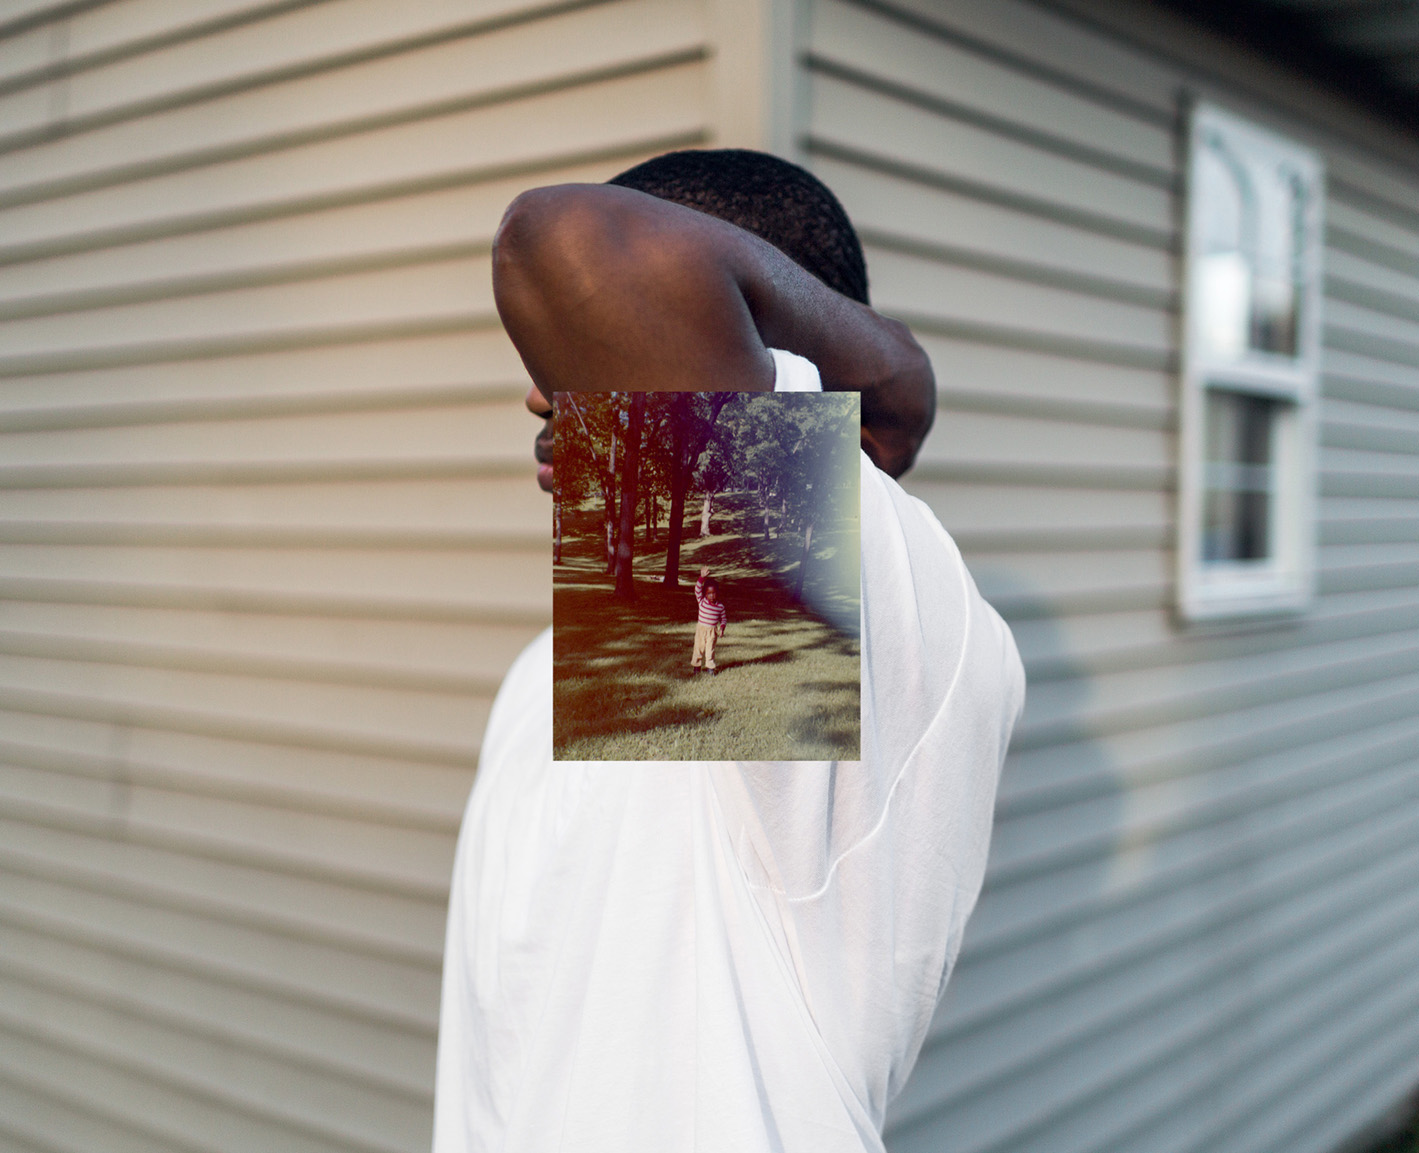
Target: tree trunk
(676,525)
(705,514)
(556,530)
(684,455)
(630,469)
(803,561)
(609,493)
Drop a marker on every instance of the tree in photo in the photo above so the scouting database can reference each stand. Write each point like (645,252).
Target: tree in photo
(578,473)
(692,419)
(630,476)
(801,451)
(598,419)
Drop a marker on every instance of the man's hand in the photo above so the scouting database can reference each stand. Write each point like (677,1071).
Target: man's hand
(605,289)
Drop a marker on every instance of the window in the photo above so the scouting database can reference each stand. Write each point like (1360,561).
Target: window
(1249,371)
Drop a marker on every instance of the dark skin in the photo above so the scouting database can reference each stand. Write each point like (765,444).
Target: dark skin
(606,289)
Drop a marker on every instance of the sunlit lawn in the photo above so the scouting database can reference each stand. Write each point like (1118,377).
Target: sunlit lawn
(787,687)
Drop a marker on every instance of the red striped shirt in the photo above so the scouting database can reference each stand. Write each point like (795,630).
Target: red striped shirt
(710,613)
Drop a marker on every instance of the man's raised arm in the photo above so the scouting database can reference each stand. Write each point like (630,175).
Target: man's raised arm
(604,288)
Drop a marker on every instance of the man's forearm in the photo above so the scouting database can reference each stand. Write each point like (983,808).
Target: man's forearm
(604,288)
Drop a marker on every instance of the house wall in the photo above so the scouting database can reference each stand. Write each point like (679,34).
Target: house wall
(269,534)
(268,539)
(1200,929)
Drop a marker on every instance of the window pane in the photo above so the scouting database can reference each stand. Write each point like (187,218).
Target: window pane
(1237,497)
(1251,266)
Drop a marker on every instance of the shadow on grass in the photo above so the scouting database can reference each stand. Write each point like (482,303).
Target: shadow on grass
(788,686)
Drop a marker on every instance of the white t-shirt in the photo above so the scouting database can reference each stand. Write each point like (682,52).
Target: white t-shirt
(728,956)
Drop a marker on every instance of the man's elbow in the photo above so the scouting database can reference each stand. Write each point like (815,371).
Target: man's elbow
(531,239)
(896,422)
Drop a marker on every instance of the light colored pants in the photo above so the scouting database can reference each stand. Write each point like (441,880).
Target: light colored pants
(704,646)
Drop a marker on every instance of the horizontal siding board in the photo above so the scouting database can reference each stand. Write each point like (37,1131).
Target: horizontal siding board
(434,435)
(1182,859)
(261,886)
(1353,222)
(447,221)
(1207,686)
(1212,911)
(1137,831)
(1367,281)
(1086,767)
(447,511)
(625,114)
(463,72)
(357,374)
(332,1016)
(1388,331)
(874,124)
(1112,642)
(415,720)
(1366,376)
(404,860)
(254,1082)
(102,29)
(1043,41)
(40,1118)
(130,57)
(132,1092)
(889,207)
(453,291)
(323,974)
(458,581)
(987,517)
(1047,577)
(451,655)
(1115,1058)
(1310,939)
(359,784)
(868,42)
(919,287)
(1015,379)
(1007,439)
(366,1051)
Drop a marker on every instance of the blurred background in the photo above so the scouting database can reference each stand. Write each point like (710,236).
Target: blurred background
(269,533)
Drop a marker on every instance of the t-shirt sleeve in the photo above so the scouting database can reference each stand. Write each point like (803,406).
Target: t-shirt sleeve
(868,870)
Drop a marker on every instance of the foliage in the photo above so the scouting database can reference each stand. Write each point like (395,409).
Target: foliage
(797,452)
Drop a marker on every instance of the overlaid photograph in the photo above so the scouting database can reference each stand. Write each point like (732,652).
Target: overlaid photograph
(705,587)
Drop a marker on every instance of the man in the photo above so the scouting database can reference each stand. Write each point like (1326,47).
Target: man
(722,956)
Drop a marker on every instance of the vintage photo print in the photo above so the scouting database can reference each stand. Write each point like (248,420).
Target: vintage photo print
(706,598)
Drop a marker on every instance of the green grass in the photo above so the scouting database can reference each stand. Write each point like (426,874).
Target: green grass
(788,684)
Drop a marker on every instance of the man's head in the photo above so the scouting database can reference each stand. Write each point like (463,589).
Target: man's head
(777,201)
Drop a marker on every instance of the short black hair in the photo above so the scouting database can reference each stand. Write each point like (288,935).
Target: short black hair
(711,583)
(780,202)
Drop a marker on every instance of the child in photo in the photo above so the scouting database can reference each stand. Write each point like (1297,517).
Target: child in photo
(709,624)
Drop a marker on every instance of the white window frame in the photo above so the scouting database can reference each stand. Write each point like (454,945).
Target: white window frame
(1284,581)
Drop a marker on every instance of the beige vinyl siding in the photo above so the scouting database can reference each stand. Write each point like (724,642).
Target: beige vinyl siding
(268,531)
(1200,930)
